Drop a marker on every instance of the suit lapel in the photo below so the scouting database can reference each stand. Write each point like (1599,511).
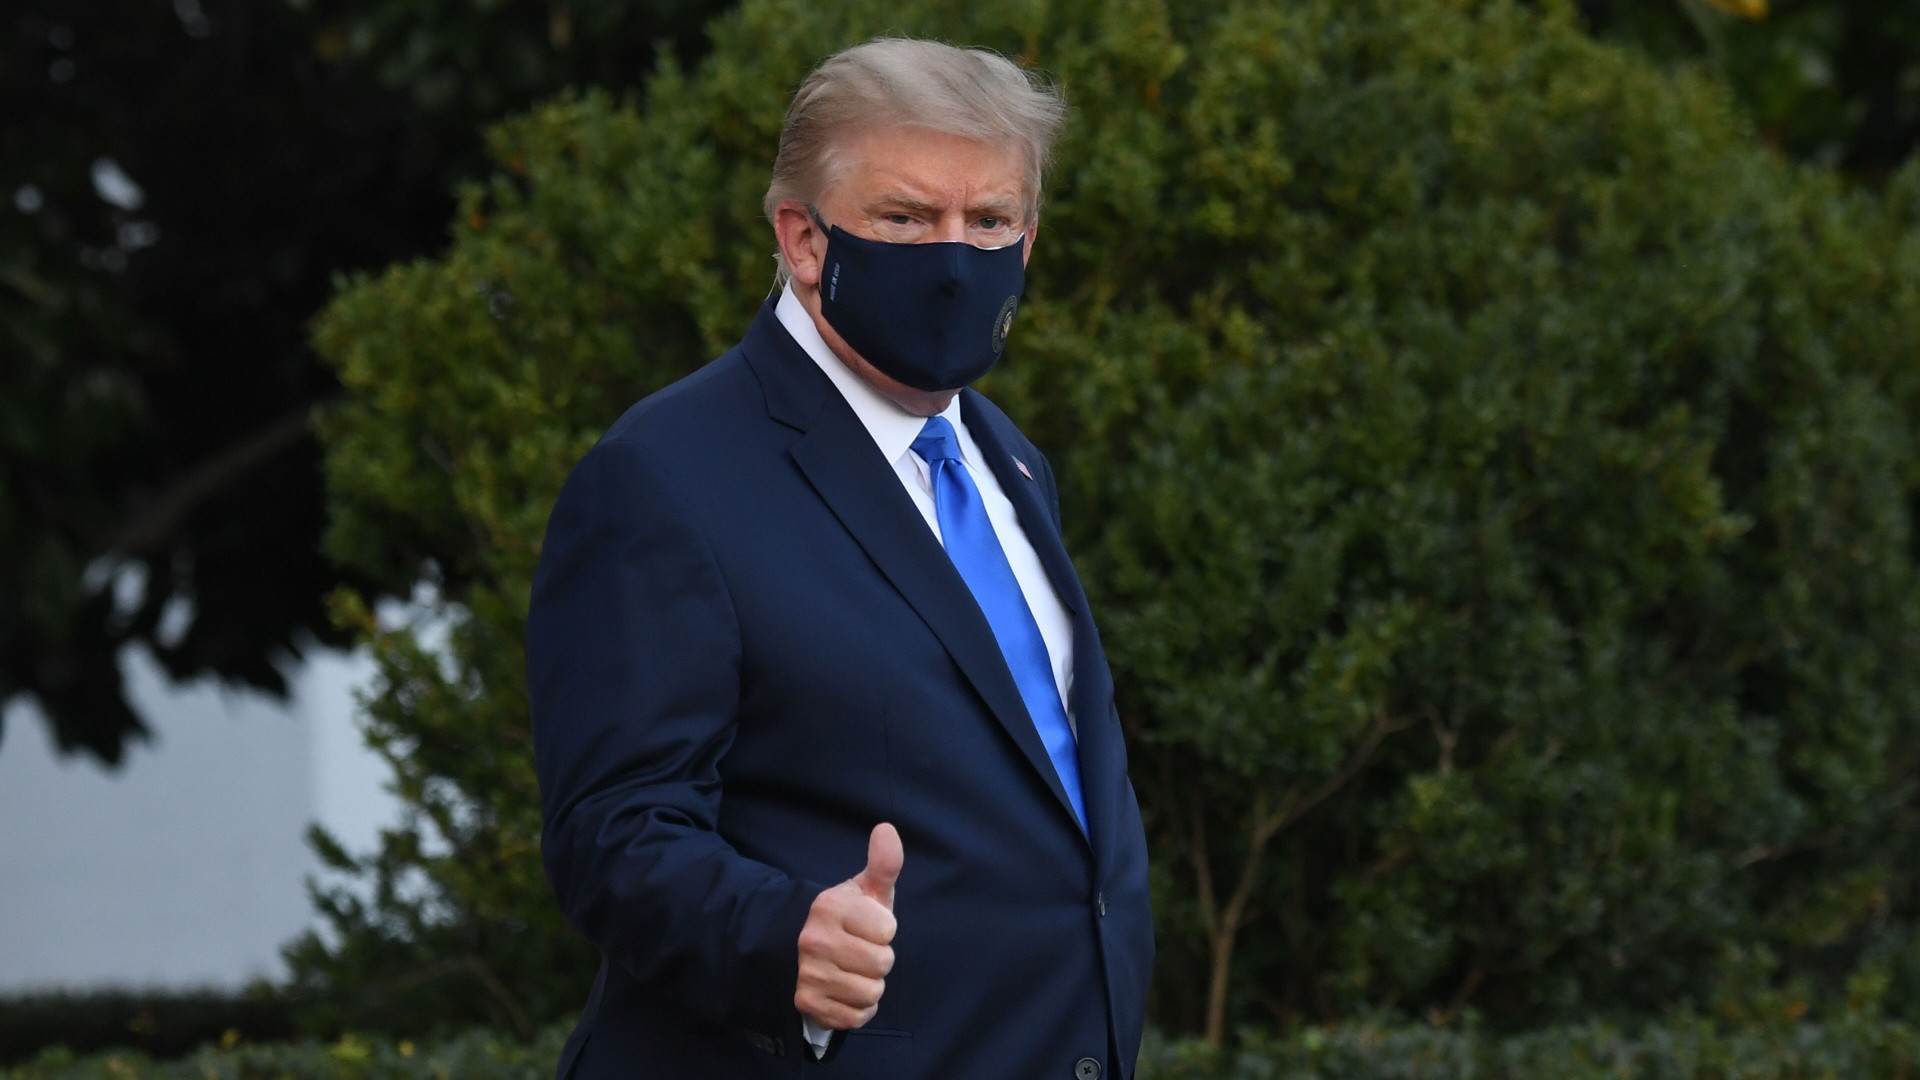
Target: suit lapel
(1100,760)
(1024,492)
(839,460)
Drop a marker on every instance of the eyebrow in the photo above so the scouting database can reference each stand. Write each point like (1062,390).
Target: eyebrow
(1004,206)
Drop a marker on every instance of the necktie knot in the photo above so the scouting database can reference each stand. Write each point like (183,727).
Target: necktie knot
(936,441)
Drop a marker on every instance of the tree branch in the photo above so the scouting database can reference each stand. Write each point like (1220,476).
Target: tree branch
(1356,761)
(162,514)
(1202,870)
(1224,927)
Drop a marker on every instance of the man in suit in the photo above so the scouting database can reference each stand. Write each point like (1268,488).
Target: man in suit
(828,755)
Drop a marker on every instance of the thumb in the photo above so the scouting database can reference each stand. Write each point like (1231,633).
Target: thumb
(884,857)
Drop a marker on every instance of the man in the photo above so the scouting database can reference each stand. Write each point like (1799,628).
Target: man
(828,755)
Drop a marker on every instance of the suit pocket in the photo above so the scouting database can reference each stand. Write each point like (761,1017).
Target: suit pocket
(872,1055)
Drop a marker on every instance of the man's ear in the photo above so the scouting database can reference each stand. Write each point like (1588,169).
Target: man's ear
(798,234)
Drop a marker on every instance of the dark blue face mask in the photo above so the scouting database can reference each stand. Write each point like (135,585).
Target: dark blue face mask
(932,316)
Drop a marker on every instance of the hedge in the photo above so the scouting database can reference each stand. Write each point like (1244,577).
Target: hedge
(475,1055)
(162,1024)
(1853,1048)
(1494,471)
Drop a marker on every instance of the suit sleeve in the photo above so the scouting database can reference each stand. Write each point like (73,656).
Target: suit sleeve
(633,658)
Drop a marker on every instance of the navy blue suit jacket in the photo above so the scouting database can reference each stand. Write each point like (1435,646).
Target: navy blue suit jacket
(746,649)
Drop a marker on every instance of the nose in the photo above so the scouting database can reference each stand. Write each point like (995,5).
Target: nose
(951,228)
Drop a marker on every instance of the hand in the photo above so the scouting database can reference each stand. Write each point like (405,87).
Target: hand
(846,947)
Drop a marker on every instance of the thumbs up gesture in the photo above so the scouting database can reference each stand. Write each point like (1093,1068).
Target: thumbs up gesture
(846,946)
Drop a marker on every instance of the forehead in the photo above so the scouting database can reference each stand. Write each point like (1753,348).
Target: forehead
(927,166)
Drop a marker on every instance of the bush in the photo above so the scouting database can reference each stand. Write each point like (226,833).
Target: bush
(158,1024)
(1682,1050)
(475,1055)
(1857,1048)
(1494,472)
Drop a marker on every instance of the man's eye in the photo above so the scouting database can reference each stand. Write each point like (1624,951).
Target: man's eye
(899,219)
(993,224)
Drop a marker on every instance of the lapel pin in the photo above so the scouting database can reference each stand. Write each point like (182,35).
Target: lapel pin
(1022,466)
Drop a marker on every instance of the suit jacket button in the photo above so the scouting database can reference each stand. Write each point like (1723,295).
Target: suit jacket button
(1086,1069)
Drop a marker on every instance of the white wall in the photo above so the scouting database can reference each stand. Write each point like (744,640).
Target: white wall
(186,866)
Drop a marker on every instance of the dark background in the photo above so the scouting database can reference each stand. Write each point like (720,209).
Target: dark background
(185,180)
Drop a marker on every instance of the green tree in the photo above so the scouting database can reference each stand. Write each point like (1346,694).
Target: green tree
(1493,469)
(1834,81)
(180,182)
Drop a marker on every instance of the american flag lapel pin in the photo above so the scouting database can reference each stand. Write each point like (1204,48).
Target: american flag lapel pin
(1022,466)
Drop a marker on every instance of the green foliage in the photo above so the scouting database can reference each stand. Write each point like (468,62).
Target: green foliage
(474,1055)
(1493,471)
(1828,80)
(1678,1050)
(160,1024)
(1360,1050)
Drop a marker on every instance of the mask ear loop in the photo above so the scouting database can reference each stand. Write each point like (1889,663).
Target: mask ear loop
(780,284)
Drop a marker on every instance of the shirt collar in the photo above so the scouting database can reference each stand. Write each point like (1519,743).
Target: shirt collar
(893,428)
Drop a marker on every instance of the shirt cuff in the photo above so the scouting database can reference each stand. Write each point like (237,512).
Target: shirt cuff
(817,1036)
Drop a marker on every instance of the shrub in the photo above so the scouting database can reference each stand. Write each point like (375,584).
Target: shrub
(1857,1048)
(156,1023)
(474,1055)
(1493,470)
(1679,1050)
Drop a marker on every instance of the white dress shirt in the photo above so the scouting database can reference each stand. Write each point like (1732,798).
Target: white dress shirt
(893,430)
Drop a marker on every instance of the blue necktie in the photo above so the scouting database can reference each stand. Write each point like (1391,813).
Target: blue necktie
(976,553)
